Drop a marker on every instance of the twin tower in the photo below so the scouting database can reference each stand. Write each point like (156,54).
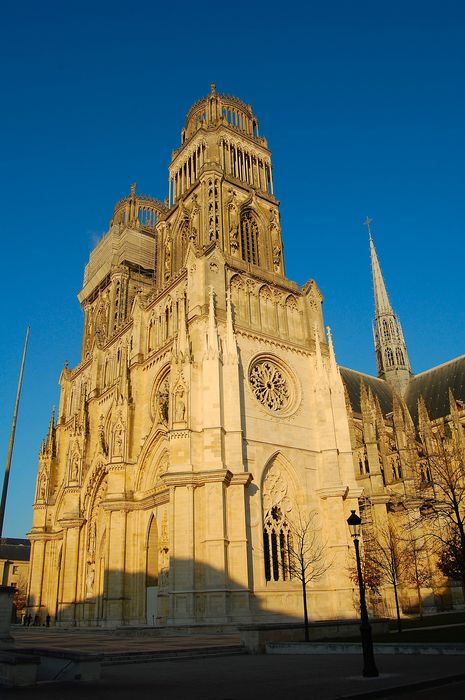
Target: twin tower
(207,415)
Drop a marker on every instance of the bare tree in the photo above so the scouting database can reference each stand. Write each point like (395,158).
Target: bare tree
(388,555)
(308,560)
(441,479)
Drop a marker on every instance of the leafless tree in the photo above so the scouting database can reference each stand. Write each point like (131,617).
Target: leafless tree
(308,558)
(388,556)
(441,479)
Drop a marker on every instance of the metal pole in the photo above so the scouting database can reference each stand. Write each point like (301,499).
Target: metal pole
(12,438)
(369,665)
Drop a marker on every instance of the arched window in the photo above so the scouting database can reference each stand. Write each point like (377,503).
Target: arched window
(389,357)
(399,356)
(277,538)
(249,238)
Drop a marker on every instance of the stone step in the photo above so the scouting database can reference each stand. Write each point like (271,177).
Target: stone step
(137,657)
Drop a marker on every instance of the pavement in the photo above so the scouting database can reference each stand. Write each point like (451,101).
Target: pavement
(245,677)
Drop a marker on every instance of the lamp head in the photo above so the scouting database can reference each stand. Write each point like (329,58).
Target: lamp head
(354,523)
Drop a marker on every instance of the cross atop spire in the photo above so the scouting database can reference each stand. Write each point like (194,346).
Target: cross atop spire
(367,223)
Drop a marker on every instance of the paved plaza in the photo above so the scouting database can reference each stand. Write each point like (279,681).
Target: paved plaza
(233,677)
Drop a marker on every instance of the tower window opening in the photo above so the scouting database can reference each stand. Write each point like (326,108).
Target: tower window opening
(389,357)
(399,356)
(386,330)
(249,239)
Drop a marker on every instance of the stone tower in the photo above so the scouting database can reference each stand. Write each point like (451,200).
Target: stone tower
(391,351)
(207,413)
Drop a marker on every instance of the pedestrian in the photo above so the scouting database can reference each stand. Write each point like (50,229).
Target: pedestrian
(47,620)
(36,621)
(25,618)
(29,619)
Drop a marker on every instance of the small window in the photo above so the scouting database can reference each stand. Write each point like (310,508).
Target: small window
(15,570)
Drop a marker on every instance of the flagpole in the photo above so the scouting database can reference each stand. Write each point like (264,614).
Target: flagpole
(12,437)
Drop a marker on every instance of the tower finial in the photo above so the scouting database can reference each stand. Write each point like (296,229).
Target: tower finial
(213,88)
(367,223)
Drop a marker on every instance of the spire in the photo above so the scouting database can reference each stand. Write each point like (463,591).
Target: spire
(332,354)
(391,352)
(382,305)
(50,440)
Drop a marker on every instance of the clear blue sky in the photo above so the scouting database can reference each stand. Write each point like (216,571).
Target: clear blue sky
(363,106)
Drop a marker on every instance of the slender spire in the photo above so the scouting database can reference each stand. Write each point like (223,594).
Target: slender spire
(382,305)
(391,350)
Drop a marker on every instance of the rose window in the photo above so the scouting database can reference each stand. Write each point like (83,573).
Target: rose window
(270,385)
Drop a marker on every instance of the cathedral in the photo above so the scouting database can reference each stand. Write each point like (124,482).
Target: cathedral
(208,411)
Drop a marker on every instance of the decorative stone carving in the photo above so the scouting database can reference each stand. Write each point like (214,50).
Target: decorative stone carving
(180,405)
(163,401)
(90,580)
(276,501)
(270,385)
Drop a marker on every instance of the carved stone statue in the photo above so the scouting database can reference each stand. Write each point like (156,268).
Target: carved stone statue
(74,468)
(163,401)
(90,580)
(118,442)
(180,406)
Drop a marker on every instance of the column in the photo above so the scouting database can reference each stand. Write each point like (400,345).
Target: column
(116,567)
(67,604)
(36,575)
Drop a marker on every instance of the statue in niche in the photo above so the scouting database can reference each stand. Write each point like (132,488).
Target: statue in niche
(180,406)
(101,437)
(168,257)
(234,239)
(90,578)
(43,487)
(163,401)
(118,442)
(74,473)
(194,220)
(276,257)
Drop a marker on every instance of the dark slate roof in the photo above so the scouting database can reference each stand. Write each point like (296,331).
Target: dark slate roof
(434,386)
(14,549)
(379,387)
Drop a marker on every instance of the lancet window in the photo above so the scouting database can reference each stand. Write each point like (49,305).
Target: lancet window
(277,537)
(249,238)
(389,357)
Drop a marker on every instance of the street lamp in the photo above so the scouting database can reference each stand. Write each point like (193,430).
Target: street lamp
(369,666)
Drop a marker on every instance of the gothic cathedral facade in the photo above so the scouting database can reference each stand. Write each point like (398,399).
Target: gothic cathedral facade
(206,411)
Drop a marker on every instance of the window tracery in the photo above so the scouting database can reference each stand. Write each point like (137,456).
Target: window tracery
(270,385)
(277,538)
(249,238)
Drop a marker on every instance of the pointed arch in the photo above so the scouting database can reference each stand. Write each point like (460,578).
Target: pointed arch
(279,496)
(153,462)
(249,237)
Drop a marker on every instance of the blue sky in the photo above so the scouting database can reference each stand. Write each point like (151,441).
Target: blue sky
(363,106)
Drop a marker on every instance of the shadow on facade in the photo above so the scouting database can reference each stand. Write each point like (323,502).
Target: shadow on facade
(189,593)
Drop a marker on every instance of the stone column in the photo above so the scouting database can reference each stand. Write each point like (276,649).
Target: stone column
(238,567)
(116,567)
(36,575)
(67,604)
(215,548)
(182,554)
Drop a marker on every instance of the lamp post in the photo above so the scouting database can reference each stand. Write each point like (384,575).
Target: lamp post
(369,665)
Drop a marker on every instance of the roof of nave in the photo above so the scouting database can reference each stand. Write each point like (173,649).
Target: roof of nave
(380,388)
(15,549)
(434,385)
